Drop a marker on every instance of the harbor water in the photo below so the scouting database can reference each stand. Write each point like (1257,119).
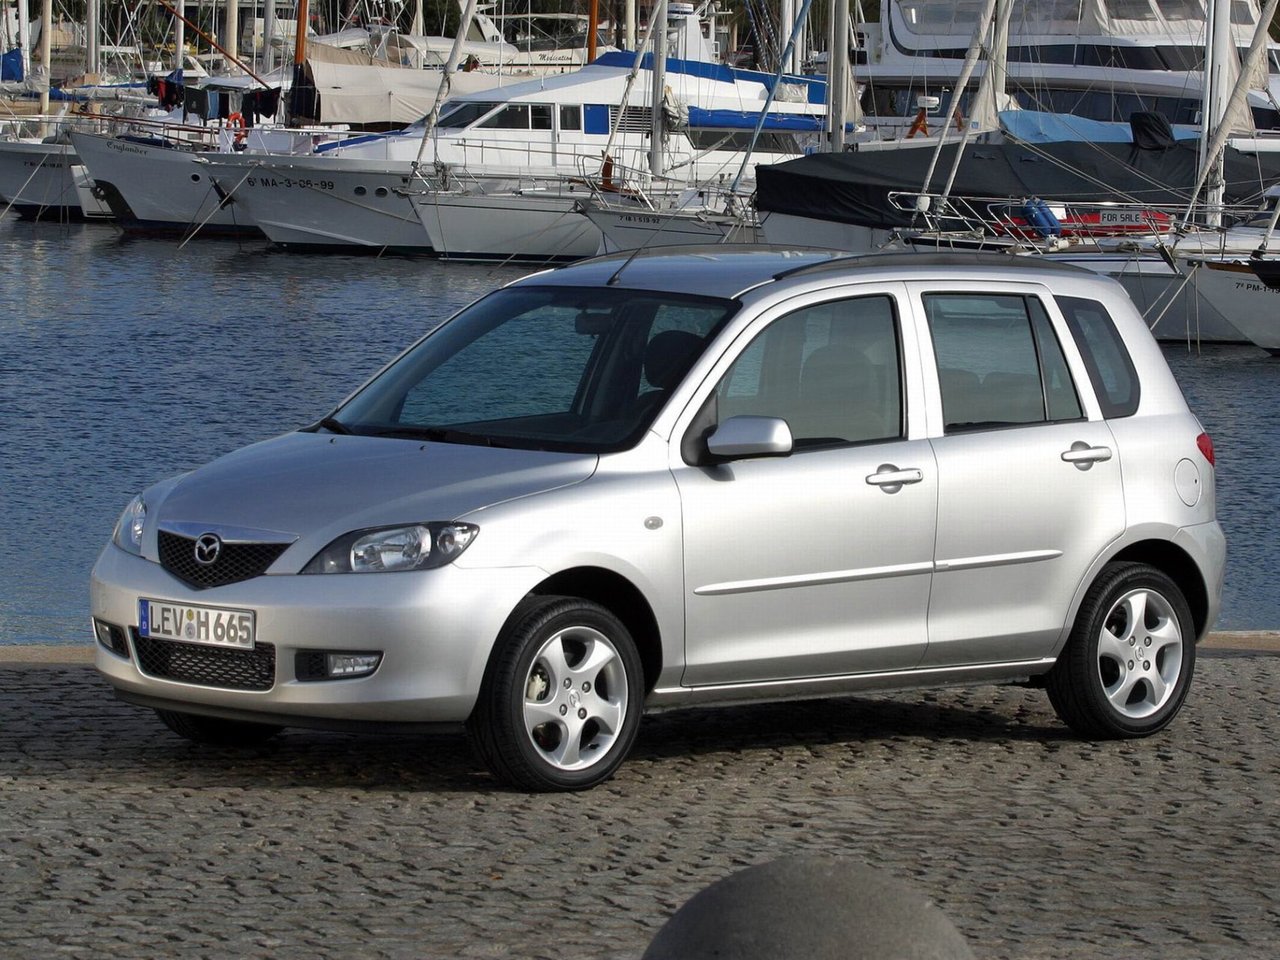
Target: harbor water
(123,361)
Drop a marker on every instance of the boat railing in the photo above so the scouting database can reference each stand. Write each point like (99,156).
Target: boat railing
(1040,223)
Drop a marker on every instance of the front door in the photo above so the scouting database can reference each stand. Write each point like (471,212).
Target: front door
(816,564)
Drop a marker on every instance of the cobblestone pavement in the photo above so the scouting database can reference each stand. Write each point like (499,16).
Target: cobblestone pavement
(119,839)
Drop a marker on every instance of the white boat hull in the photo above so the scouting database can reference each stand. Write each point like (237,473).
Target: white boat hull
(37,180)
(1234,289)
(1174,306)
(159,190)
(528,226)
(326,203)
(637,229)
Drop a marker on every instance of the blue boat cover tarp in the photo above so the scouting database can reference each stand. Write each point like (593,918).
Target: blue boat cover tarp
(11,65)
(1035,126)
(746,120)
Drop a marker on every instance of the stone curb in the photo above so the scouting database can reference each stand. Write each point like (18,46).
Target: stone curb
(1247,641)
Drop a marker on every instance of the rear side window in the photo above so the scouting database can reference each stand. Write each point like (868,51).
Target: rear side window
(1110,367)
(999,362)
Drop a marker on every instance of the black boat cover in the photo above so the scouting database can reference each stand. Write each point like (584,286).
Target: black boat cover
(854,187)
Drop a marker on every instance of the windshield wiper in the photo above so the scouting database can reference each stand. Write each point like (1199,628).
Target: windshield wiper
(334,425)
(439,435)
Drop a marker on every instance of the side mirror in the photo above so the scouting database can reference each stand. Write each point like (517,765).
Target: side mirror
(741,437)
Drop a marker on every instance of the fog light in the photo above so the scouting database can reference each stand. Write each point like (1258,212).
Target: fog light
(351,664)
(111,637)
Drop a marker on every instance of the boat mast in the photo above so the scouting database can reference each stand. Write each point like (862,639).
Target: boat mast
(593,26)
(24,38)
(838,73)
(659,17)
(46,52)
(232,42)
(269,33)
(179,33)
(1223,102)
(91,17)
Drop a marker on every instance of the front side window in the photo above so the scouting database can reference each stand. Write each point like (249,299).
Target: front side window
(832,371)
(999,362)
(554,368)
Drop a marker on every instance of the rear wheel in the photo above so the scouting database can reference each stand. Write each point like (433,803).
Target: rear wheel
(216,731)
(1128,664)
(560,705)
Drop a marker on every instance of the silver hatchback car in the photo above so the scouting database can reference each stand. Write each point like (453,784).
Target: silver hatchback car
(689,477)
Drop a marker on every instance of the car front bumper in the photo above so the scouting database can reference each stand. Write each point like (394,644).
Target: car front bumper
(434,630)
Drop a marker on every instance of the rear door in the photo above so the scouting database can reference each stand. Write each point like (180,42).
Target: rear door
(1029,483)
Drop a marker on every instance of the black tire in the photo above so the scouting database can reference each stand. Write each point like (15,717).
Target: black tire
(215,731)
(1128,663)
(561,700)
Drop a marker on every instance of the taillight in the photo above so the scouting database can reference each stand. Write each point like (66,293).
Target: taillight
(1205,443)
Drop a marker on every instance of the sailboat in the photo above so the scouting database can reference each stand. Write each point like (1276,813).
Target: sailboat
(40,175)
(1206,276)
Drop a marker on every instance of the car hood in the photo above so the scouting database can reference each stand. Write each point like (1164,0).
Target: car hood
(316,485)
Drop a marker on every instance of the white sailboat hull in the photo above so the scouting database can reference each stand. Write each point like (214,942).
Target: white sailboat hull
(1234,289)
(1174,306)
(37,180)
(521,226)
(636,229)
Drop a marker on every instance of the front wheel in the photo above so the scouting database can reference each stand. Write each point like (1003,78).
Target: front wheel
(560,704)
(1128,663)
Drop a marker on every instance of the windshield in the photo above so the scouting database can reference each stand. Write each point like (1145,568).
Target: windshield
(463,113)
(550,368)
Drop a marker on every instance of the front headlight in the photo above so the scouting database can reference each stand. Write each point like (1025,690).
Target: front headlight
(417,546)
(128,532)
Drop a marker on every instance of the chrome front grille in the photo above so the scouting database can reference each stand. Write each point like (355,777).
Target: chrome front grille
(235,561)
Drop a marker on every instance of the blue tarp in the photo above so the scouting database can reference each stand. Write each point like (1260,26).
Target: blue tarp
(747,120)
(11,66)
(1034,126)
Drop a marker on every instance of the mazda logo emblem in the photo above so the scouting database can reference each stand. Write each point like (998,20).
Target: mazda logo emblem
(208,547)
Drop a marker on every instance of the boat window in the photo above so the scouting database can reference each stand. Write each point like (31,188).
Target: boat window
(514,116)
(1041,12)
(571,117)
(463,113)
(1131,9)
(999,362)
(1242,13)
(1180,9)
(540,116)
(941,16)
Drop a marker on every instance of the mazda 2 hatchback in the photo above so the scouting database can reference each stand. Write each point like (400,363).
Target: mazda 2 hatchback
(689,477)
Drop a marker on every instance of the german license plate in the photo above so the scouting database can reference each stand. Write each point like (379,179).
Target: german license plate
(190,623)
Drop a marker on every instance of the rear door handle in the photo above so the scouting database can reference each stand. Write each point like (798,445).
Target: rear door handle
(890,479)
(1085,456)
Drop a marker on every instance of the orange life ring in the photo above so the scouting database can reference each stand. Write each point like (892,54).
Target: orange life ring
(235,121)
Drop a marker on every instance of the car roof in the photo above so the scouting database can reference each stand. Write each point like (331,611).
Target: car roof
(730,270)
